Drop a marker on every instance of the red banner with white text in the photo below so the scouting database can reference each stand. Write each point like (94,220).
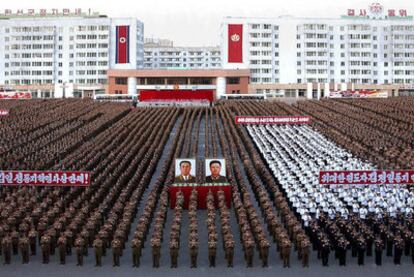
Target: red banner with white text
(360,177)
(273,119)
(45,178)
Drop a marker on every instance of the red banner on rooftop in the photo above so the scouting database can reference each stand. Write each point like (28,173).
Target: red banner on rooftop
(370,177)
(273,119)
(45,178)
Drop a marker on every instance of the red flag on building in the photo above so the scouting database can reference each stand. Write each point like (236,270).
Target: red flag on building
(235,38)
(122,44)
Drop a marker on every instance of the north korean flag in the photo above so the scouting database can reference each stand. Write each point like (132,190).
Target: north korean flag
(122,44)
(235,43)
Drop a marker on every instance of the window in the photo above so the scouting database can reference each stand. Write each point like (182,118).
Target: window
(233,81)
(121,81)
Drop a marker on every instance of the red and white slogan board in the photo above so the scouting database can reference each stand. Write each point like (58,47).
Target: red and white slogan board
(45,178)
(273,119)
(15,95)
(122,44)
(4,112)
(361,177)
(235,43)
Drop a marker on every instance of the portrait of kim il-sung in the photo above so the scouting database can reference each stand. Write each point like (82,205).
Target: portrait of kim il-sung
(216,171)
(185,171)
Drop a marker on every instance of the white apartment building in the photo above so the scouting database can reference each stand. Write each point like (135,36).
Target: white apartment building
(170,57)
(370,46)
(66,53)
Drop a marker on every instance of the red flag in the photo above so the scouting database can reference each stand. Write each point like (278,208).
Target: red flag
(122,44)
(235,38)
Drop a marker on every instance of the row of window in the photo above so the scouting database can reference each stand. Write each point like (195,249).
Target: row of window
(50,81)
(161,65)
(184,53)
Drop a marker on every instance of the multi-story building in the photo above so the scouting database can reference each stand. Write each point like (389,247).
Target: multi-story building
(66,53)
(161,54)
(365,48)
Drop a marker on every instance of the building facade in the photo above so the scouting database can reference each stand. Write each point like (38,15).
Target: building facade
(218,81)
(365,47)
(66,53)
(159,56)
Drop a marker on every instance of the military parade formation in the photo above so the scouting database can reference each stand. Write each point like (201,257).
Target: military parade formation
(279,212)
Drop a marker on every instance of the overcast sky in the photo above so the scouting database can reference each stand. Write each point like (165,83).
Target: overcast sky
(197,23)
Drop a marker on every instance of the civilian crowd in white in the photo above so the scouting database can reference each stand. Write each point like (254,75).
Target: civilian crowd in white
(296,154)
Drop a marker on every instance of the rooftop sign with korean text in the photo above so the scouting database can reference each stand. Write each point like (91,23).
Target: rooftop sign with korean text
(377,11)
(8,13)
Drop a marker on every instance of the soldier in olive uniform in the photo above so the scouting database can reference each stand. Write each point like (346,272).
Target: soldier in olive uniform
(174,253)
(286,248)
(62,249)
(212,249)
(136,252)
(24,249)
(229,252)
(305,246)
(193,245)
(80,251)
(249,251)
(45,245)
(264,252)
(116,251)
(32,241)
(7,249)
(98,247)
(156,252)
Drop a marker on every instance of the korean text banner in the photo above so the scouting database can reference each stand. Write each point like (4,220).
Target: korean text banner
(45,178)
(359,177)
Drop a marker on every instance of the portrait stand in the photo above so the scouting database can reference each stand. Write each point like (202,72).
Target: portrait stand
(202,190)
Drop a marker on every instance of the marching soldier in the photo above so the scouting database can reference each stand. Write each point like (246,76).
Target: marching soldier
(32,241)
(24,249)
(212,247)
(193,252)
(264,252)
(398,250)
(80,251)
(325,251)
(69,242)
(361,250)
(305,245)
(116,251)
(156,252)
(379,246)
(173,253)
(286,246)
(136,252)
(45,245)
(229,249)
(15,241)
(98,247)
(7,249)
(249,252)
(62,249)
(342,246)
